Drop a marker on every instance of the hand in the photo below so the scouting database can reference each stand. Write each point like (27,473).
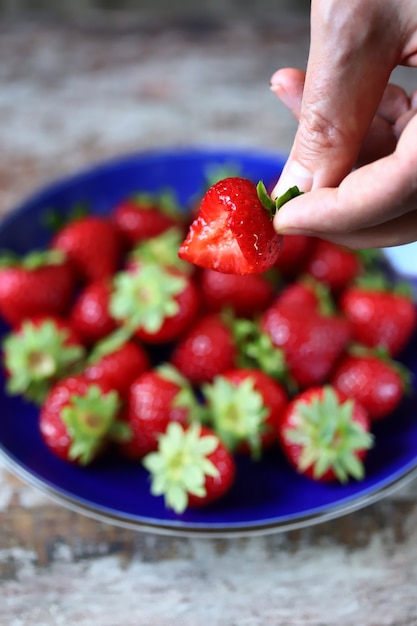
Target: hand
(349,114)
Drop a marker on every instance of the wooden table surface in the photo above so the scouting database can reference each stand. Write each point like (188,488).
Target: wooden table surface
(71,95)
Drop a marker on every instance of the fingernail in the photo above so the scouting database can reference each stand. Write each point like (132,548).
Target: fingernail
(293,174)
(281,93)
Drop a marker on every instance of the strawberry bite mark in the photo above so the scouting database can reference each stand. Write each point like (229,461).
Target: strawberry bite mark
(233,231)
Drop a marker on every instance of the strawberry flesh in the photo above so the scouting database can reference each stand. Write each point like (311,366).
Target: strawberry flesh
(233,231)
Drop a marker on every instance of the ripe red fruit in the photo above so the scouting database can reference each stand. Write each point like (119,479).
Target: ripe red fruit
(206,350)
(311,341)
(306,292)
(244,407)
(191,468)
(37,353)
(233,231)
(334,265)
(324,435)
(374,380)
(116,363)
(79,418)
(93,245)
(155,398)
(294,253)
(244,295)
(40,283)
(90,314)
(145,215)
(380,317)
(156,303)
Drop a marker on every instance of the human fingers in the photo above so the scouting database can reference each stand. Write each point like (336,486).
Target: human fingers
(370,206)
(395,232)
(347,72)
(381,138)
(287,84)
(393,114)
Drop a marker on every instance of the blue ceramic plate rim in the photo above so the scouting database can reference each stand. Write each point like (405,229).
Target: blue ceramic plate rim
(252,160)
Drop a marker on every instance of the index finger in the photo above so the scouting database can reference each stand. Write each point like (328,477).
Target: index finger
(347,71)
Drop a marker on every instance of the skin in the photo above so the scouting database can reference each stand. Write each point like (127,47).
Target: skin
(355,149)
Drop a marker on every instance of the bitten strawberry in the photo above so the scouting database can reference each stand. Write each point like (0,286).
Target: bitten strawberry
(381,314)
(79,418)
(191,468)
(39,352)
(311,341)
(156,303)
(244,407)
(116,362)
(93,245)
(325,436)
(39,283)
(146,215)
(156,398)
(372,378)
(245,295)
(233,231)
(206,350)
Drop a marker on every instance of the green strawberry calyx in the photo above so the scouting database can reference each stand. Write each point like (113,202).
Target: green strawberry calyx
(91,419)
(180,465)
(237,413)
(32,260)
(326,304)
(143,298)
(378,281)
(329,437)
(36,356)
(165,201)
(109,344)
(271,205)
(255,348)
(162,249)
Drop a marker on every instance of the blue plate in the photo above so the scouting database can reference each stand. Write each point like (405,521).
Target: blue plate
(268,496)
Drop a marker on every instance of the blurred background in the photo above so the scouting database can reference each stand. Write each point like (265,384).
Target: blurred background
(85,80)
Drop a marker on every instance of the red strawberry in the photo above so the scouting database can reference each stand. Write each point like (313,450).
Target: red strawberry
(233,231)
(324,435)
(79,418)
(40,283)
(294,253)
(90,314)
(146,215)
(306,292)
(373,379)
(244,407)
(380,314)
(156,398)
(311,341)
(192,467)
(116,362)
(156,303)
(93,244)
(39,352)
(207,349)
(334,265)
(245,295)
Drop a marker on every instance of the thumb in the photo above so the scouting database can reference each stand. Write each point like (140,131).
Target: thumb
(347,71)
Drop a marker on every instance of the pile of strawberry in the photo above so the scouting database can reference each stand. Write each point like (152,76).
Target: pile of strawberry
(130,351)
